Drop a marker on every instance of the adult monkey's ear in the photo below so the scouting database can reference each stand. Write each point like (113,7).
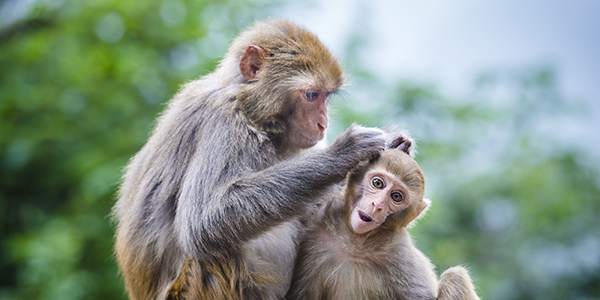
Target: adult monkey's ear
(252,62)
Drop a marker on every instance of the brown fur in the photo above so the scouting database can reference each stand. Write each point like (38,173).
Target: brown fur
(217,279)
(334,262)
(455,284)
(290,51)
(213,197)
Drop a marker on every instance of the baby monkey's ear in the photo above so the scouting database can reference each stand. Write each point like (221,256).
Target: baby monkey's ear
(423,207)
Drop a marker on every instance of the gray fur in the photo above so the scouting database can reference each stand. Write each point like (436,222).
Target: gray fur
(334,262)
(209,184)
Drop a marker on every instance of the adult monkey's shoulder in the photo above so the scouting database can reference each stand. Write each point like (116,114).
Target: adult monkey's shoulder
(206,186)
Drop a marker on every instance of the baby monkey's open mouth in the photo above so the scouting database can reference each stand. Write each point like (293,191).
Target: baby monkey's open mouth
(364,217)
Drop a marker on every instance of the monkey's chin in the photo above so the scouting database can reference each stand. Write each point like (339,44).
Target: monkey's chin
(304,142)
(361,223)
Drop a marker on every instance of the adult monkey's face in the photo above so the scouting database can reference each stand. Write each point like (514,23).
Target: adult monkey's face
(309,118)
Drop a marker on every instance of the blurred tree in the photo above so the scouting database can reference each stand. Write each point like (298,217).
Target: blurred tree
(81,84)
(511,199)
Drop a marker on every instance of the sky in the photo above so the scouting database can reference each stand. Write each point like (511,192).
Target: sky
(449,42)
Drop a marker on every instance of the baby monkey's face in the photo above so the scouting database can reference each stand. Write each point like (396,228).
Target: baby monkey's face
(380,194)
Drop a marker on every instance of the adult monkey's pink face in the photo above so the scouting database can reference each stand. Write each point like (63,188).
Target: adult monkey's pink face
(309,91)
(309,120)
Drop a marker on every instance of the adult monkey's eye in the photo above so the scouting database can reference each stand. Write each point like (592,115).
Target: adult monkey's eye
(377,183)
(397,196)
(311,95)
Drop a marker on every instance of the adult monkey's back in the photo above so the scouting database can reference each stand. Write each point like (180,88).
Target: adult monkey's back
(221,180)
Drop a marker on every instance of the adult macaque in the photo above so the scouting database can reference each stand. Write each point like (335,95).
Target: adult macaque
(208,208)
(358,247)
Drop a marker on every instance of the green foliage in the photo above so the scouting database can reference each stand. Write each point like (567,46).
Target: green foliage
(81,84)
(82,81)
(511,199)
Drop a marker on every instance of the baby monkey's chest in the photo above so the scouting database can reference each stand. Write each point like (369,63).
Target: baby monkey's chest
(357,280)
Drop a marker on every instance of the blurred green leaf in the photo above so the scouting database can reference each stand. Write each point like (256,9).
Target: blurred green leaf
(80,87)
(81,83)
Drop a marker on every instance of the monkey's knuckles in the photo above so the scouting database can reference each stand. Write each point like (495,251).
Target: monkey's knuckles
(369,141)
(400,140)
(360,143)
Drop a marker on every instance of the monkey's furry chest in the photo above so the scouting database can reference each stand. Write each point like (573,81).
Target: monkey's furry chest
(273,254)
(337,273)
(333,263)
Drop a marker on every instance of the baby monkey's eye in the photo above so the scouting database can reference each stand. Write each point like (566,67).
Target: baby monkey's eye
(396,196)
(377,183)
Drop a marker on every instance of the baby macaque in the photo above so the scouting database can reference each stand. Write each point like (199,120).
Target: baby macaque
(358,247)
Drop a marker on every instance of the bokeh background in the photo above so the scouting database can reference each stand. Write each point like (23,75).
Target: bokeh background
(503,97)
